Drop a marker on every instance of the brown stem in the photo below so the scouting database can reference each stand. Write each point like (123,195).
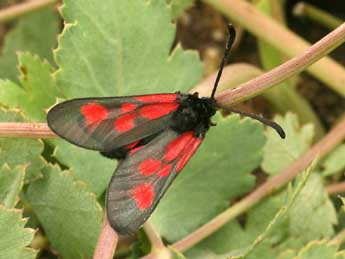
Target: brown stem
(14,11)
(284,71)
(330,141)
(336,188)
(26,130)
(107,241)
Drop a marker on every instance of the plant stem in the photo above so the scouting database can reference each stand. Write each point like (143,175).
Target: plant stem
(107,242)
(286,70)
(329,142)
(267,29)
(317,15)
(336,188)
(26,130)
(284,96)
(153,235)
(231,96)
(280,99)
(17,10)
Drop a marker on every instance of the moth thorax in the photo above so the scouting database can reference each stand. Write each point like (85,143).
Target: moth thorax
(194,114)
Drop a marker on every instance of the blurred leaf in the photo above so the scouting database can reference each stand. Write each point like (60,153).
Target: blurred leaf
(70,216)
(87,165)
(35,33)
(334,162)
(179,6)
(218,172)
(14,237)
(21,151)
(284,97)
(37,91)
(278,153)
(11,182)
(114,54)
(313,215)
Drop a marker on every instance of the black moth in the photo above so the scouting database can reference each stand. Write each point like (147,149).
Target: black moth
(153,136)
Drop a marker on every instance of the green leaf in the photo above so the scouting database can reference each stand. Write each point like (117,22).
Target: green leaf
(87,165)
(21,151)
(319,250)
(70,216)
(262,230)
(316,250)
(296,222)
(37,91)
(334,162)
(313,215)
(174,254)
(218,172)
(201,253)
(278,153)
(13,236)
(11,182)
(35,33)
(122,52)
(278,222)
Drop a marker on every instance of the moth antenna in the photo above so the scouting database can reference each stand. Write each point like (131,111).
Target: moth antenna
(267,122)
(231,39)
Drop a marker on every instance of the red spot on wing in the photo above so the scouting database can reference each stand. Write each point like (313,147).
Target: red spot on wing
(149,166)
(175,147)
(156,98)
(143,195)
(154,111)
(190,150)
(135,149)
(125,122)
(128,107)
(93,113)
(132,145)
(165,171)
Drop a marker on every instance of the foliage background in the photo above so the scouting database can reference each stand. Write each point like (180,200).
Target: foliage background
(52,193)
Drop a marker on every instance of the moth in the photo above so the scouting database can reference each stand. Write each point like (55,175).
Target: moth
(153,137)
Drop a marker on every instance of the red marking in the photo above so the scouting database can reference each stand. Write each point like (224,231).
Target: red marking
(132,145)
(125,122)
(154,111)
(143,195)
(175,147)
(190,150)
(165,171)
(156,98)
(135,149)
(94,113)
(128,107)
(149,166)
